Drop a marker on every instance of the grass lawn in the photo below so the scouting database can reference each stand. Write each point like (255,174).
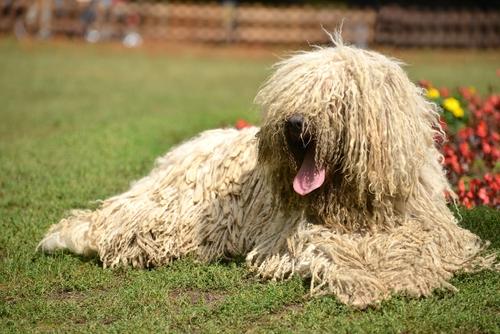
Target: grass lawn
(78,123)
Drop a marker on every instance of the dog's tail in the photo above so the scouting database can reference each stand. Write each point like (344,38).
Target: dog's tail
(70,234)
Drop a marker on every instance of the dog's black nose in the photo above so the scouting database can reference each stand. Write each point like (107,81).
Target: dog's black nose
(295,123)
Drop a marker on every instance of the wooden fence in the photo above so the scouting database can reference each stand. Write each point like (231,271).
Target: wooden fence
(252,24)
(211,23)
(437,28)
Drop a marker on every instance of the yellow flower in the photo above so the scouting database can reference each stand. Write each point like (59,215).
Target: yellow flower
(432,93)
(452,105)
(458,112)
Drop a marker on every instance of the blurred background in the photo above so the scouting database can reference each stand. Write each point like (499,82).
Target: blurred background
(463,24)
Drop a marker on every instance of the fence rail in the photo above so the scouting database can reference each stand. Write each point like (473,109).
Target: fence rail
(450,28)
(255,24)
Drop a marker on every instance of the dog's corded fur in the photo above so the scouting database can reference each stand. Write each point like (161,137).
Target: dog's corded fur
(378,224)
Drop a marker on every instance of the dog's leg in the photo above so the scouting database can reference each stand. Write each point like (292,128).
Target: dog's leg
(333,265)
(70,234)
(363,270)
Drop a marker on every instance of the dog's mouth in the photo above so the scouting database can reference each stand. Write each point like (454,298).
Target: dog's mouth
(302,145)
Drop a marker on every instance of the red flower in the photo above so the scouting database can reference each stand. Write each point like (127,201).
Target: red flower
(465,133)
(476,100)
(424,83)
(495,183)
(488,108)
(487,177)
(241,124)
(495,100)
(467,203)
(482,129)
(483,196)
(465,92)
(444,92)
(486,147)
(461,186)
(464,149)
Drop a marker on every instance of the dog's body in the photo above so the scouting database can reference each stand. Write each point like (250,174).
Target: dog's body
(197,192)
(341,184)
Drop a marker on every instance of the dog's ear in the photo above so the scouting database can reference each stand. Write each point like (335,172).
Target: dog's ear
(390,130)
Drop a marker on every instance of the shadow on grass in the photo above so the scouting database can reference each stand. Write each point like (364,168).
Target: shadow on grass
(64,253)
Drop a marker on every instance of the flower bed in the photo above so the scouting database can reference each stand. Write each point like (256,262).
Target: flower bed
(471,153)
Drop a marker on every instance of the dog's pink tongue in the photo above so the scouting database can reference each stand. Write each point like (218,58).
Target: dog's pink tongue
(309,176)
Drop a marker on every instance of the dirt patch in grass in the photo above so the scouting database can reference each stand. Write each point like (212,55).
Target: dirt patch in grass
(195,296)
(65,294)
(8,295)
(79,320)
(277,316)
(108,320)
(286,309)
(10,300)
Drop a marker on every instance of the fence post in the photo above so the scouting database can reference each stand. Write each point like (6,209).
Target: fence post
(229,20)
(45,19)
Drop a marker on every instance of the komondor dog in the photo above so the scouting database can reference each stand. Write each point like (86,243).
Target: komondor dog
(342,185)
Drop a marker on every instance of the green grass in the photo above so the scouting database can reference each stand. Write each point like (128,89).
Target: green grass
(78,123)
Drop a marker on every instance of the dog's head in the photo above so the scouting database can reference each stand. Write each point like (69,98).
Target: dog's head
(344,129)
